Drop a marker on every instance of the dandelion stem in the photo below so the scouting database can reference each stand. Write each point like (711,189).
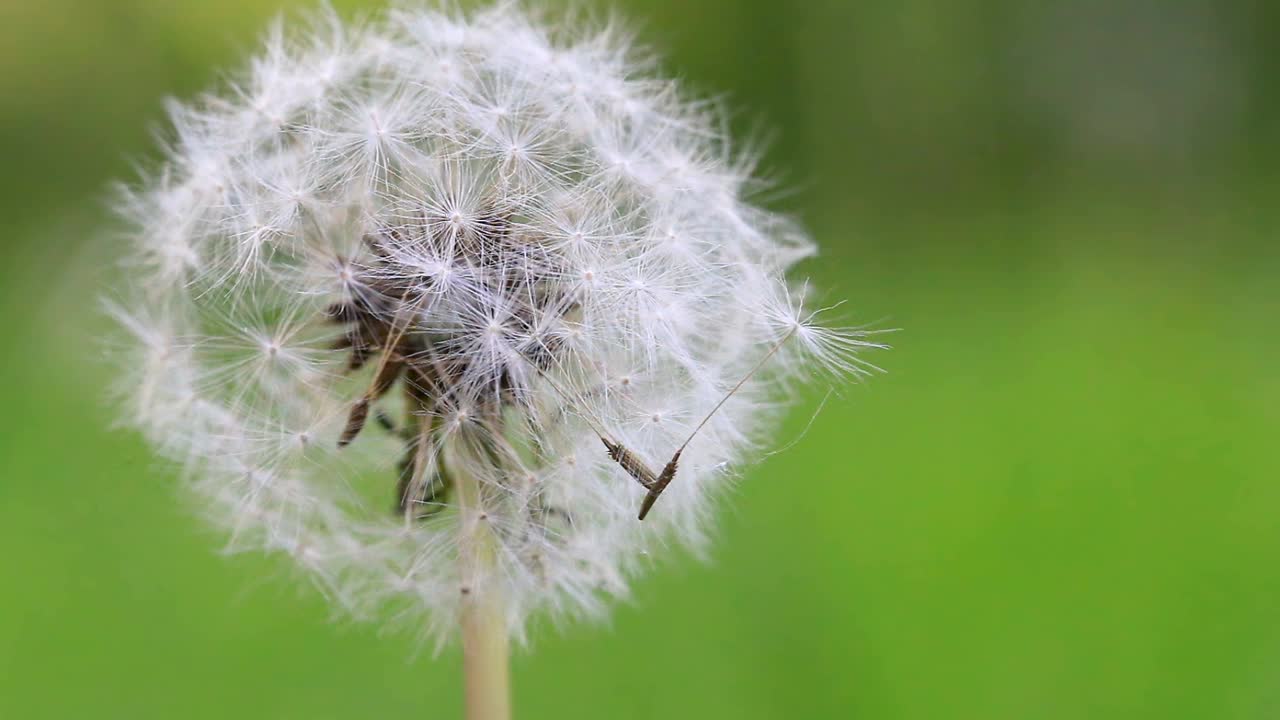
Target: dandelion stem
(484,651)
(484,628)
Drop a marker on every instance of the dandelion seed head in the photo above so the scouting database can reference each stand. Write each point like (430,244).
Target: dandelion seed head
(494,238)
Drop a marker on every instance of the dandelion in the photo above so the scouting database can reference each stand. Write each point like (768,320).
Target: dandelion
(440,304)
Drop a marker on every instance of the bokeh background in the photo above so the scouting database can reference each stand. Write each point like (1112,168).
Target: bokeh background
(1063,501)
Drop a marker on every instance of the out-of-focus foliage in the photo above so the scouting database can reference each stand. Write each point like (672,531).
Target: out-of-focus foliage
(1062,502)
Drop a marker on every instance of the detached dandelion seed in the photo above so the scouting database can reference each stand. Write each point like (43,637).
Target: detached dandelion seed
(392,289)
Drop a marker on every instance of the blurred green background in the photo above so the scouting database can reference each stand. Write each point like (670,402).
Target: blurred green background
(1061,502)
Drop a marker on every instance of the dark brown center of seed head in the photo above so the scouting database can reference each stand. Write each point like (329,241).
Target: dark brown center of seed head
(382,327)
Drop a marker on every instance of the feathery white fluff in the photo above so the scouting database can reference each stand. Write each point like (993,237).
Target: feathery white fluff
(530,238)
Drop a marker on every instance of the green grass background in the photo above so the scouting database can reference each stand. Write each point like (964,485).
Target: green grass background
(1063,501)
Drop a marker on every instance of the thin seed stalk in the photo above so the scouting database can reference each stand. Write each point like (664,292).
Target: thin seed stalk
(485,651)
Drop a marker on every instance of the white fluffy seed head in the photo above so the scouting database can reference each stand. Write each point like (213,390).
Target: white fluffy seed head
(509,238)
